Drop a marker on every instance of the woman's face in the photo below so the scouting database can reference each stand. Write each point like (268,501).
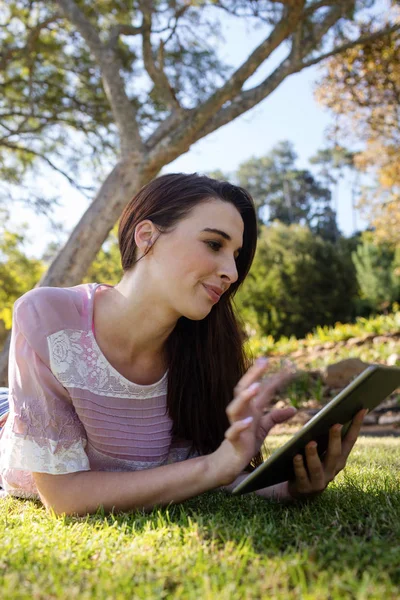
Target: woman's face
(196,262)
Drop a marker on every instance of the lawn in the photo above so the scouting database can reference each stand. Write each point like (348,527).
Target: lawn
(345,544)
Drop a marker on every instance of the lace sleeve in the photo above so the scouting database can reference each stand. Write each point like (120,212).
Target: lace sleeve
(43,432)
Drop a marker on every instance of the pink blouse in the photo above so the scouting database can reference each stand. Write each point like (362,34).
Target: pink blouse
(70,410)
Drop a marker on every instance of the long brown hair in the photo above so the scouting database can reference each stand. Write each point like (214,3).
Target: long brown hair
(205,357)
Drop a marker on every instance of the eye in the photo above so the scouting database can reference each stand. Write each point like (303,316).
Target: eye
(215,246)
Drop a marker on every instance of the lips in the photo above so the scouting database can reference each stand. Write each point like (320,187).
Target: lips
(214,292)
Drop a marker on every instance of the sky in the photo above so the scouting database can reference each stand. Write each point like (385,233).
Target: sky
(289,113)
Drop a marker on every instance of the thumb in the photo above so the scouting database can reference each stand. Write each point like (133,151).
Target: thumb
(280,415)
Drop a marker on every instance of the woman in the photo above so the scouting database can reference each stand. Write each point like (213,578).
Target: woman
(139,394)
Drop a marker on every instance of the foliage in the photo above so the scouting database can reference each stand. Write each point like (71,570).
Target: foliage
(340,332)
(62,106)
(297,281)
(343,544)
(362,88)
(18,273)
(52,99)
(332,161)
(55,109)
(106,268)
(378,272)
(283,192)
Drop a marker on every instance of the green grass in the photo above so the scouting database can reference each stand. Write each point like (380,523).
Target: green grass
(343,545)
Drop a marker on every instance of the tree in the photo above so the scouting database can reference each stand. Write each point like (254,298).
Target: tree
(18,273)
(138,84)
(290,195)
(297,281)
(106,267)
(284,193)
(362,88)
(378,273)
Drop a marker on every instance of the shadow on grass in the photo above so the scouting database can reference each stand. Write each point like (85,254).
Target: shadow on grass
(346,529)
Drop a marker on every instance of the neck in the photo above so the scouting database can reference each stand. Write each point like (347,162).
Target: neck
(129,319)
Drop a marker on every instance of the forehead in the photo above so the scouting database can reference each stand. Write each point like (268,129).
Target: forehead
(219,215)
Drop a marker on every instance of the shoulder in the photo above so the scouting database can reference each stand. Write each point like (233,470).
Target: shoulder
(49,309)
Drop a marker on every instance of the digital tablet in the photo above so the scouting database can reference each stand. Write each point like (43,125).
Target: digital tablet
(367,390)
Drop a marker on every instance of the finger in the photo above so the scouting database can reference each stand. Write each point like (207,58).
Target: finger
(303,484)
(315,469)
(352,434)
(334,453)
(252,375)
(239,405)
(271,386)
(234,431)
(280,415)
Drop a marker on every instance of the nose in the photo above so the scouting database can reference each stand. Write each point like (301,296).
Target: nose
(228,271)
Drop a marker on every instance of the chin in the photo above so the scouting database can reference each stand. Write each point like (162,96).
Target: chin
(198,315)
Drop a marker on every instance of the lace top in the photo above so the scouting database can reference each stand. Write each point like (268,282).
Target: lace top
(70,410)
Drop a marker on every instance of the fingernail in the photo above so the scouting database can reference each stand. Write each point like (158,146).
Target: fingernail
(247,420)
(261,361)
(254,386)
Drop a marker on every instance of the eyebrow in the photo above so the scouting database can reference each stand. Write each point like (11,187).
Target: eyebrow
(223,234)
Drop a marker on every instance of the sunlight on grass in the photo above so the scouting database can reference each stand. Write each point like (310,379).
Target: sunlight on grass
(344,544)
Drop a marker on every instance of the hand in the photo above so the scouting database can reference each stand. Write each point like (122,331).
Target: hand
(249,424)
(265,393)
(314,479)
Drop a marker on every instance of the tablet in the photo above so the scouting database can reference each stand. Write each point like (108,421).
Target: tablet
(367,390)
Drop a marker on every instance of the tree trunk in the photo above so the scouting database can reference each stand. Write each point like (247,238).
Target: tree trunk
(73,260)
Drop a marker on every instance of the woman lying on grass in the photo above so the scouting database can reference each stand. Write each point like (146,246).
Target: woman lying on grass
(139,394)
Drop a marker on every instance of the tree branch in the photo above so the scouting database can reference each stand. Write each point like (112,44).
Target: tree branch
(312,8)
(166,126)
(361,40)
(157,74)
(192,127)
(245,100)
(320,29)
(114,86)
(121,29)
(33,34)
(250,98)
(17,148)
(282,31)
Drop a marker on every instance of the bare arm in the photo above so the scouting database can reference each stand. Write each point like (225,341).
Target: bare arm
(85,491)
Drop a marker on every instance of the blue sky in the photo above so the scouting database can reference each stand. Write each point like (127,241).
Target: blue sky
(289,113)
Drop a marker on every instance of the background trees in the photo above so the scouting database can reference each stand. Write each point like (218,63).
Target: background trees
(298,281)
(108,93)
(18,272)
(362,88)
(127,87)
(378,273)
(285,193)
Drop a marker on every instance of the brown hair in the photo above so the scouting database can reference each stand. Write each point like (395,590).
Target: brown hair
(205,357)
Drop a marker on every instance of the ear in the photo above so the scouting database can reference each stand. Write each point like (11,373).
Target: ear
(145,233)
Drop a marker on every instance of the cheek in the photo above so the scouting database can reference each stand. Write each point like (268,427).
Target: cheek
(195,264)
(201,262)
